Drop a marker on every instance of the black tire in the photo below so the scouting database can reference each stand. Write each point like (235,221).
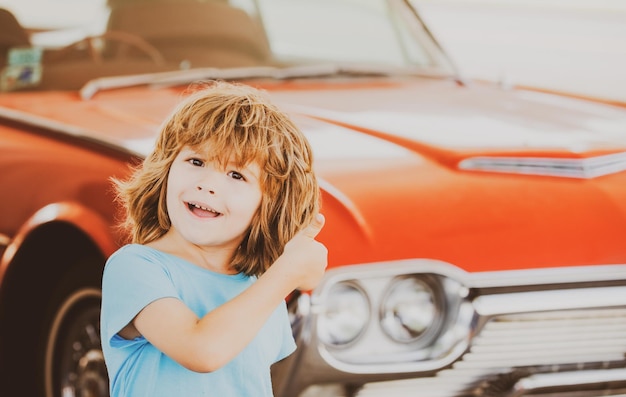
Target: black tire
(73,363)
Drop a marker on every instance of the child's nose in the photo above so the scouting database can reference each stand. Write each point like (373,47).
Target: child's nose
(208,181)
(200,188)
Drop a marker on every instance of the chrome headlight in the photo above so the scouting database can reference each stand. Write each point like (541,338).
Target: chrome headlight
(409,310)
(345,314)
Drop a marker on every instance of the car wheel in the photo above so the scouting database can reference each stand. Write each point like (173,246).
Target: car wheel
(74,364)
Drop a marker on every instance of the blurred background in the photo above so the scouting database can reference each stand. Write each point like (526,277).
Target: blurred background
(576,46)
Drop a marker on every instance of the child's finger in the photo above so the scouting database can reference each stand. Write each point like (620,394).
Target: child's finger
(314,227)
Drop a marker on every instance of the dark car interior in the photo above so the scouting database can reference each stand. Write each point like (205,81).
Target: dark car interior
(146,37)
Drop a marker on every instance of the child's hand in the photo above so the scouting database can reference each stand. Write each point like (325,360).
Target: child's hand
(304,258)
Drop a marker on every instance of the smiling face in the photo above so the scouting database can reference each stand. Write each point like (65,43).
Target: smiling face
(209,204)
(230,174)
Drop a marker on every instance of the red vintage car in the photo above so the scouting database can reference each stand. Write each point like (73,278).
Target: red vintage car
(476,235)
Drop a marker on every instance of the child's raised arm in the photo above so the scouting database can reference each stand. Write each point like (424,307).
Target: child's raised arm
(206,344)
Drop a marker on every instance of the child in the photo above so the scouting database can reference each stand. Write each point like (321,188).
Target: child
(223,216)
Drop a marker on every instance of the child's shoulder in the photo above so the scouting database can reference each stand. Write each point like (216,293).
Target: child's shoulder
(132,249)
(136,252)
(138,259)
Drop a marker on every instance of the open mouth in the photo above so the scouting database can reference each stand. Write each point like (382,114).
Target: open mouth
(202,211)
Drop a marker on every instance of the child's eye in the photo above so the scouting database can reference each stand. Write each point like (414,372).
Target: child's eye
(236,175)
(196,162)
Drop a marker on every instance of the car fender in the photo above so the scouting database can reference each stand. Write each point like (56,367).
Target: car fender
(87,221)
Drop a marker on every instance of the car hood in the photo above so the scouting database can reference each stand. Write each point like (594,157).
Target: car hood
(439,115)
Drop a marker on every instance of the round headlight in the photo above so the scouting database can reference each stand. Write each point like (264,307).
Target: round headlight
(345,315)
(409,310)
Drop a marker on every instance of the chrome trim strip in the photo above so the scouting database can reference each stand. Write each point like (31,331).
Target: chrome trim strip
(536,301)
(583,168)
(572,381)
(549,275)
(391,368)
(69,130)
(573,378)
(487,279)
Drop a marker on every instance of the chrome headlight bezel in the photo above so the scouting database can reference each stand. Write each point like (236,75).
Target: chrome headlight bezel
(412,309)
(439,342)
(336,326)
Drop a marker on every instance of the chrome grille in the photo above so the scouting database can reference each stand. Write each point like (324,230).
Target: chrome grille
(511,347)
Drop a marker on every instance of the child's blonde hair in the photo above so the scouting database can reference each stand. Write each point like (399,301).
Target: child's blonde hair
(230,122)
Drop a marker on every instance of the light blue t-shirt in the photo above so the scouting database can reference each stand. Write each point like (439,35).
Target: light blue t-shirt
(136,275)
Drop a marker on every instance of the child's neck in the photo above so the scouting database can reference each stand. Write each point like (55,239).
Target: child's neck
(210,258)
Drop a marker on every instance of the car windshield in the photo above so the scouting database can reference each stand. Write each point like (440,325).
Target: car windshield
(65,44)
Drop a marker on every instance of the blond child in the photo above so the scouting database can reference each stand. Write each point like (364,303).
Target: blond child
(223,217)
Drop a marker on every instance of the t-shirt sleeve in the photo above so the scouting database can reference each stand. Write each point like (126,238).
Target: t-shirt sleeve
(131,280)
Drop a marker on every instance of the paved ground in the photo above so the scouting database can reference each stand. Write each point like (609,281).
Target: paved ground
(577,46)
